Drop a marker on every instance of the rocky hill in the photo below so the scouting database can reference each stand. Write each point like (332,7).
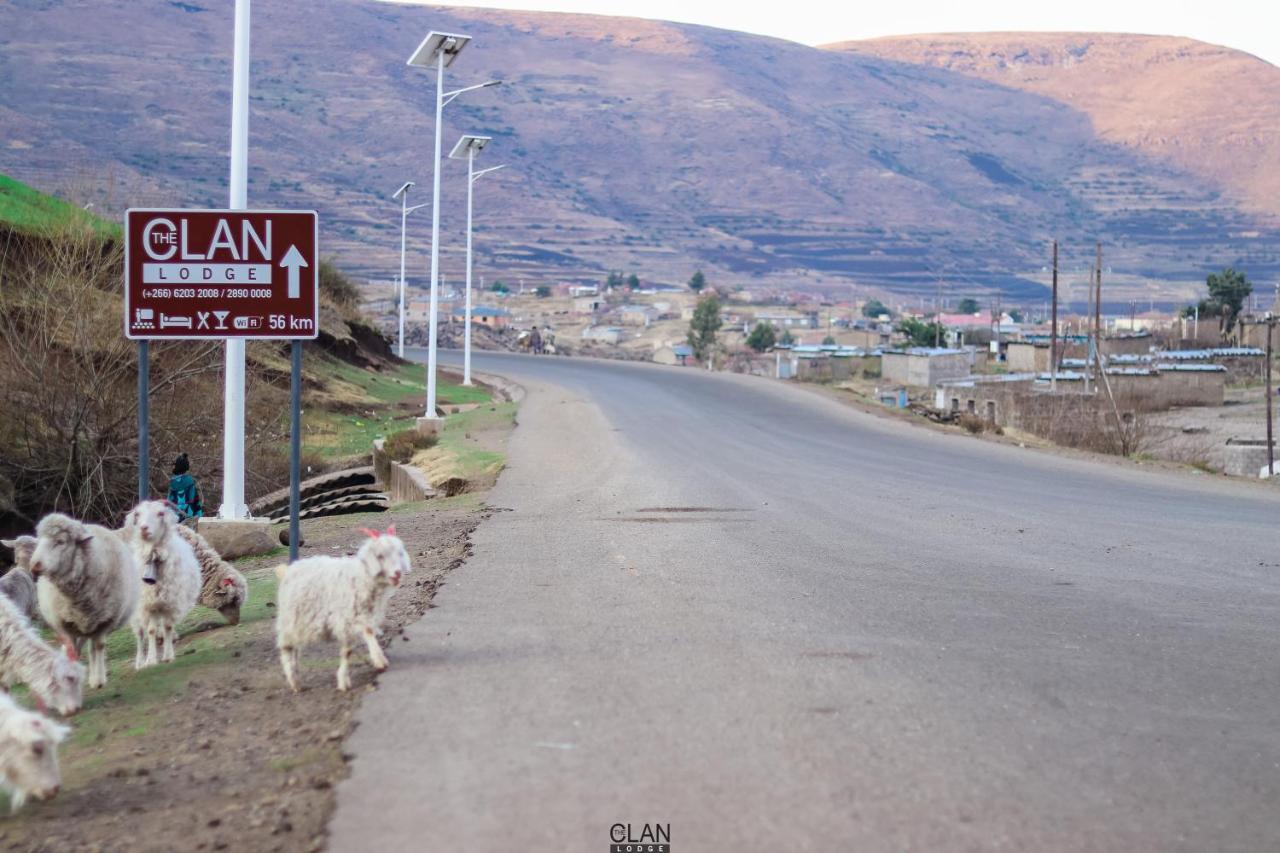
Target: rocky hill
(1210,110)
(633,145)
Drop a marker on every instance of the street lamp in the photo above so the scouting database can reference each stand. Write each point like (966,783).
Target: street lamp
(405,210)
(439,50)
(470,146)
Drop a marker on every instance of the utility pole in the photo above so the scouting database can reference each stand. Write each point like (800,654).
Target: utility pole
(1053,332)
(937,318)
(1097,309)
(1086,326)
(1271,456)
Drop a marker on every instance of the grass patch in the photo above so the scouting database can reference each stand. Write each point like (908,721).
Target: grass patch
(130,695)
(28,209)
(383,397)
(457,456)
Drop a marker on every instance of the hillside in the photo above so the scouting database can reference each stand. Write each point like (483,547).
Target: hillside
(634,145)
(1210,110)
(28,210)
(68,377)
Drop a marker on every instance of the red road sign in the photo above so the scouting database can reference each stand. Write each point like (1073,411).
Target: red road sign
(221,274)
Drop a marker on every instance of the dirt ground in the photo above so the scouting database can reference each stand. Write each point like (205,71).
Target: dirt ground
(213,752)
(1198,435)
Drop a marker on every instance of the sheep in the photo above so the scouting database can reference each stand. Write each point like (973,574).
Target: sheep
(86,585)
(151,528)
(28,753)
(17,584)
(54,677)
(342,598)
(223,588)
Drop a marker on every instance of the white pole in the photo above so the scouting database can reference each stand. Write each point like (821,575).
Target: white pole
(404,216)
(233,504)
(466,332)
(435,245)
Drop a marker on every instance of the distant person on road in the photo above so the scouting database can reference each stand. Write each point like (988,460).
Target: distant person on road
(535,341)
(184,494)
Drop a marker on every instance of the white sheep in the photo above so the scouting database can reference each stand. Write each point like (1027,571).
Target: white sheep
(17,584)
(222,587)
(53,676)
(151,528)
(28,753)
(342,598)
(86,585)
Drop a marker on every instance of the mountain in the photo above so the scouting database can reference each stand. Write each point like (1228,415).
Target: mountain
(1209,110)
(634,145)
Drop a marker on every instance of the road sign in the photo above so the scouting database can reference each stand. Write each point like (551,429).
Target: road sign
(221,274)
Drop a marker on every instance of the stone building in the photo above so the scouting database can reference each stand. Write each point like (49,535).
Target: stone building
(925,367)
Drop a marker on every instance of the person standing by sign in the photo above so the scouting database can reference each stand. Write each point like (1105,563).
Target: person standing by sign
(184,494)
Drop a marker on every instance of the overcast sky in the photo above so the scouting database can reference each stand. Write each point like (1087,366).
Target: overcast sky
(1249,25)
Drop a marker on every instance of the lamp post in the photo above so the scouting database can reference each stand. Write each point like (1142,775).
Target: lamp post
(470,146)
(233,504)
(405,210)
(438,50)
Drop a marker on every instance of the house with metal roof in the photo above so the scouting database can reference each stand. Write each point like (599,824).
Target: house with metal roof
(925,367)
(485,315)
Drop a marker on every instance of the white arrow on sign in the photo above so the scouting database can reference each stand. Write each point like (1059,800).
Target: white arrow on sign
(294,261)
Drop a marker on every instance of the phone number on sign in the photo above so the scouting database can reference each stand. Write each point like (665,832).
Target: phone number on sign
(205,293)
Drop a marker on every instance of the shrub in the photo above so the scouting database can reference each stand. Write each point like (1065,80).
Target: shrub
(335,285)
(401,446)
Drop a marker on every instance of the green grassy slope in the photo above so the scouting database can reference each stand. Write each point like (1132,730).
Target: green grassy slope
(26,209)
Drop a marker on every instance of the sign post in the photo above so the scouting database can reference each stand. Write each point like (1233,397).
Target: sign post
(230,275)
(144,420)
(295,446)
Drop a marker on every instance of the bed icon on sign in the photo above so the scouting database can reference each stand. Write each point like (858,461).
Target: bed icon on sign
(144,318)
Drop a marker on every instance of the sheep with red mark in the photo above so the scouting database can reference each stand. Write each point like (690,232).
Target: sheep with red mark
(152,530)
(86,585)
(28,753)
(17,584)
(53,676)
(222,588)
(342,598)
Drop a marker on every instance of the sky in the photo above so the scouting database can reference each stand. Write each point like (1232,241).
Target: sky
(1248,25)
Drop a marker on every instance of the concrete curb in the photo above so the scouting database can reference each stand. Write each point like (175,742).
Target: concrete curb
(403,483)
(501,386)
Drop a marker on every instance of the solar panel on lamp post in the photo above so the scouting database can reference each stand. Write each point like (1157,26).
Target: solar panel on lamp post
(438,50)
(469,147)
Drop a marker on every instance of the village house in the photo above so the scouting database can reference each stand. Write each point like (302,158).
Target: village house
(637,315)
(788,319)
(485,315)
(868,337)
(925,367)
(680,354)
(603,334)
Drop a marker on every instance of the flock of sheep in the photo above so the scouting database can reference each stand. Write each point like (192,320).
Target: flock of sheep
(85,581)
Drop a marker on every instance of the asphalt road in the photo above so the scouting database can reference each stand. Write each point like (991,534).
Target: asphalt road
(775,623)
